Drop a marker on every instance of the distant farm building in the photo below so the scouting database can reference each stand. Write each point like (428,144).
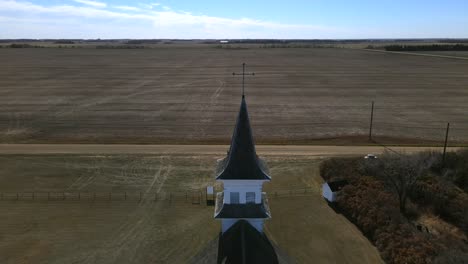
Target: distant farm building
(331,190)
(224,41)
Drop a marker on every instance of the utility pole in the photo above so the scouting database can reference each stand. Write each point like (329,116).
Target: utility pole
(445,144)
(371,121)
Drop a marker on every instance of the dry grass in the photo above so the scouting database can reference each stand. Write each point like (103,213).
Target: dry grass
(303,227)
(439,227)
(186,94)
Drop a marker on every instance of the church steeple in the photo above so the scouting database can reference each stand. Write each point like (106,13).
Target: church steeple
(243,174)
(242,162)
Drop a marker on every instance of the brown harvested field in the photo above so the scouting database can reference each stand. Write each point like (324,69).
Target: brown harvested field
(186,94)
(162,231)
(460,54)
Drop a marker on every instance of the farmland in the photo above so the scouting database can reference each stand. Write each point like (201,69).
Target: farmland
(303,227)
(461,54)
(128,203)
(186,94)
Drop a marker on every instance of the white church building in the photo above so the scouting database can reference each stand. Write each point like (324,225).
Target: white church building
(242,173)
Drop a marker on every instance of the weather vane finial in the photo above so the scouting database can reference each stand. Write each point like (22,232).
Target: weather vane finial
(243,77)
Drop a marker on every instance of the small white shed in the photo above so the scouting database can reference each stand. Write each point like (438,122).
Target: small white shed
(331,189)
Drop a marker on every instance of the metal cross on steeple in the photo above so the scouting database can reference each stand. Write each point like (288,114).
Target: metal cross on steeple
(243,76)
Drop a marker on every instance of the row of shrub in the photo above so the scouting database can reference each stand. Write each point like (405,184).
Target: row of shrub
(374,207)
(230,47)
(455,168)
(450,203)
(293,46)
(25,45)
(272,46)
(64,42)
(445,190)
(21,45)
(119,47)
(29,46)
(144,41)
(375,211)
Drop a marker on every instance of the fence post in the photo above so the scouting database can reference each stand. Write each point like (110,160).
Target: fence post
(63,194)
(155,196)
(371,121)
(140,197)
(79,196)
(125,197)
(445,144)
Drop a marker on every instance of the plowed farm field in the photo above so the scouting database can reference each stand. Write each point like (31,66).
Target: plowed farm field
(187,94)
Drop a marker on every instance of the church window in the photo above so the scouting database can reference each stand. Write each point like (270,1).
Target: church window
(234,197)
(250,197)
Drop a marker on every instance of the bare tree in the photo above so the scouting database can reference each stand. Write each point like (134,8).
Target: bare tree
(400,172)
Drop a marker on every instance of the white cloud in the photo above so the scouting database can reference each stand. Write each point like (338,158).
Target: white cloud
(91,3)
(127,8)
(150,5)
(65,10)
(140,23)
(147,6)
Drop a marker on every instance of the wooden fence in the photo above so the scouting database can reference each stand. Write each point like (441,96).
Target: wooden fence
(191,197)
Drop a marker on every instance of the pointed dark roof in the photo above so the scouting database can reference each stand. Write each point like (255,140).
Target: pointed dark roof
(242,243)
(242,162)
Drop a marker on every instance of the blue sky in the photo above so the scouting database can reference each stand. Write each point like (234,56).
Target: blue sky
(313,19)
